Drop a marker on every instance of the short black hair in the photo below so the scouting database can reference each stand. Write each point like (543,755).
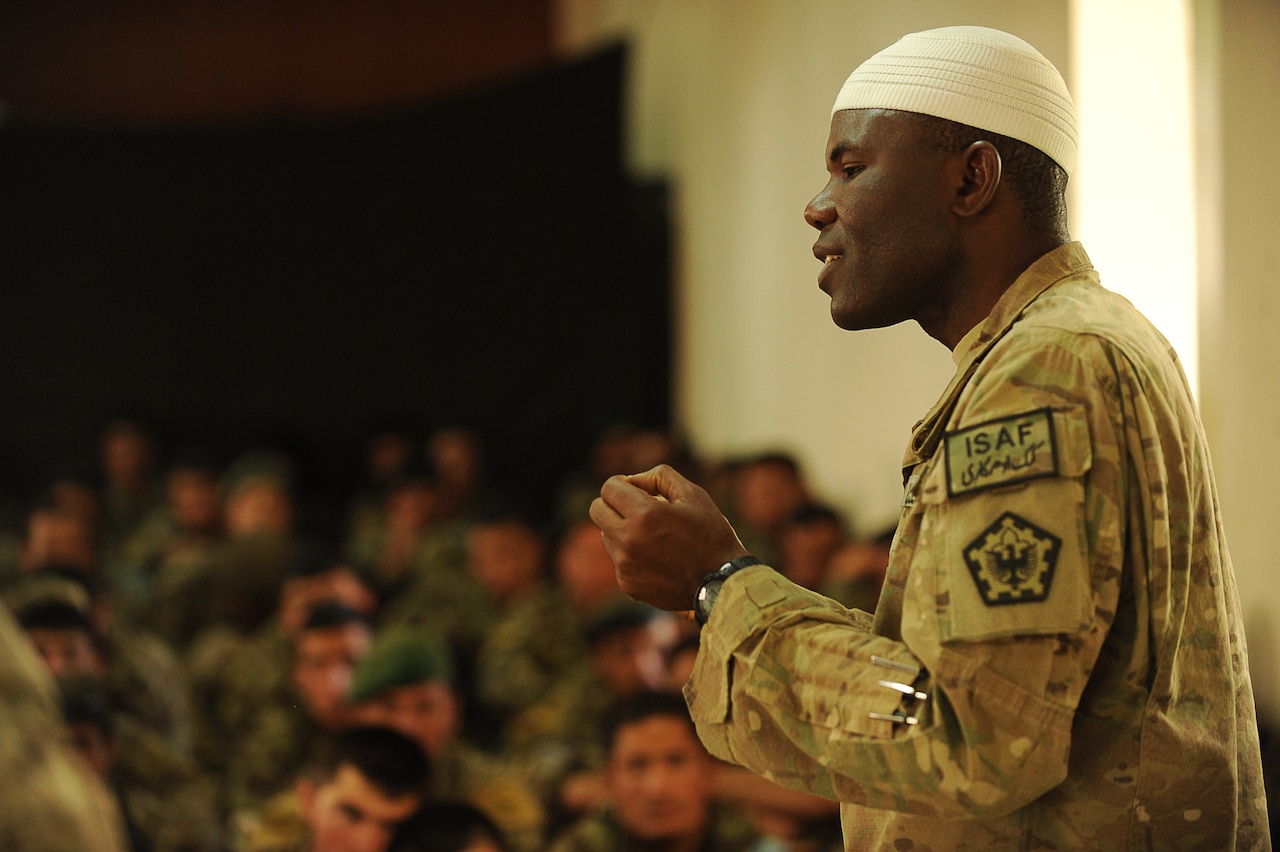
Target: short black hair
(1039,182)
(446,827)
(389,760)
(330,614)
(47,614)
(642,706)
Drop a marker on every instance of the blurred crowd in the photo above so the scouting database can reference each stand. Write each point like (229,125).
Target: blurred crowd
(441,670)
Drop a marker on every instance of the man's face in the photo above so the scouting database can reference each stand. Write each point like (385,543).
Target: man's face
(660,779)
(629,660)
(348,814)
(324,660)
(427,713)
(887,238)
(585,568)
(505,558)
(66,652)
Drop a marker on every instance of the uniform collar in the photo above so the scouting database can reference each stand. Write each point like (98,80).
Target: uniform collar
(1065,261)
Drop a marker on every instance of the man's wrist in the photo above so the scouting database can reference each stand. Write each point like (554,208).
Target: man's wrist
(709,589)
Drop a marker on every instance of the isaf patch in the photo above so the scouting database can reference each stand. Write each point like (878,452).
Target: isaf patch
(1012,561)
(1001,452)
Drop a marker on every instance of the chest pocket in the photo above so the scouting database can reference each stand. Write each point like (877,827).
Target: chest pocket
(1004,506)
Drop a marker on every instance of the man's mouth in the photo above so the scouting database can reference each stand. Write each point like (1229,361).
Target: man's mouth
(831,258)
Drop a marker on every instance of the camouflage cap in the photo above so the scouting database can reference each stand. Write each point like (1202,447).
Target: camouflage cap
(401,657)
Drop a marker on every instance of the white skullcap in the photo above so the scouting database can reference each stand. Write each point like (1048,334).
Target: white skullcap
(977,76)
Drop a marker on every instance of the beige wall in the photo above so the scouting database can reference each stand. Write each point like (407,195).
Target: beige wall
(1238,53)
(731,100)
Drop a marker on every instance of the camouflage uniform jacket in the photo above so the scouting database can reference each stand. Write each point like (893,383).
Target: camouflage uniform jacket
(1060,590)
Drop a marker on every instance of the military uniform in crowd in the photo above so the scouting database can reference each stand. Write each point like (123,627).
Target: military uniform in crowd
(167,804)
(533,644)
(1058,656)
(145,678)
(464,772)
(268,755)
(279,827)
(49,800)
(600,832)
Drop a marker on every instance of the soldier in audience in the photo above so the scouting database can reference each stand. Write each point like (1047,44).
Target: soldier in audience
(278,738)
(660,787)
(363,783)
(406,682)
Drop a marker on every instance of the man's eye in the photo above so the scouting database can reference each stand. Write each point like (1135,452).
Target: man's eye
(850,171)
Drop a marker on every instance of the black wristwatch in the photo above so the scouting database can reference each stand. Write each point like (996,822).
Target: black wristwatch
(709,589)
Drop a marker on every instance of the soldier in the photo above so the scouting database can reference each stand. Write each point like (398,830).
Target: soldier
(660,782)
(533,641)
(279,737)
(1057,659)
(76,634)
(168,806)
(49,798)
(352,797)
(406,683)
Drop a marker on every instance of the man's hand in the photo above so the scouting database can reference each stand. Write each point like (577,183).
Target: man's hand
(664,534)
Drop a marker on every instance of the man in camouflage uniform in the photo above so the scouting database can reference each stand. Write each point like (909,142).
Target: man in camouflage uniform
(405,682)
(49,799)
(661,783)
(1057,659)
(362,784)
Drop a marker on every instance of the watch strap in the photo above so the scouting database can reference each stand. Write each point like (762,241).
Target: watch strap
(721,574)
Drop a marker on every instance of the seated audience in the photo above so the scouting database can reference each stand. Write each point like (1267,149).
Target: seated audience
(363,783)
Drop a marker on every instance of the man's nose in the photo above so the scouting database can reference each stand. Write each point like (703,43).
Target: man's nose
(820,212)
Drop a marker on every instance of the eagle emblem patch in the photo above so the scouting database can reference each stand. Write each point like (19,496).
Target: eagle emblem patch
(1012,561)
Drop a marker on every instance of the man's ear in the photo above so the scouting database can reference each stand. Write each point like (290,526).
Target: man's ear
(979,180)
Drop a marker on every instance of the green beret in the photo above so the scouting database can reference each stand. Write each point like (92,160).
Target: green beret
(400,657)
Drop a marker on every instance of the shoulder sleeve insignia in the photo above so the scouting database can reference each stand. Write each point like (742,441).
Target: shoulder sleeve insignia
(1001,452)
(1012,561)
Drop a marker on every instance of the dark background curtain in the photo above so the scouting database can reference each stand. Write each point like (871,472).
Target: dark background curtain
(481,261)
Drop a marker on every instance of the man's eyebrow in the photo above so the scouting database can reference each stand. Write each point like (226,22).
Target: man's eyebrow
(841,149)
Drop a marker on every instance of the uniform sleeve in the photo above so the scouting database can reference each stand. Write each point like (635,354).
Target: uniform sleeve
(1004,600)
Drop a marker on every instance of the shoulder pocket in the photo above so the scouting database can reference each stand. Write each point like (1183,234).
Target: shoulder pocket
(1009,540)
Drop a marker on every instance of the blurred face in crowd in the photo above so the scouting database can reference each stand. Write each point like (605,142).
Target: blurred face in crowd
(57,537)
(428,713)
(458,459)
(766,494)
(349,814)
(630,660)
(660,780)
(584,568)
(127,455)
(194,501)
(804,549)
(261,506)
(387,453)
(412,505)
(324,660)
(505,558)
(66,652)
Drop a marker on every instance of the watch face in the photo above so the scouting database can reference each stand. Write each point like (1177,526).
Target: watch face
(707,598)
